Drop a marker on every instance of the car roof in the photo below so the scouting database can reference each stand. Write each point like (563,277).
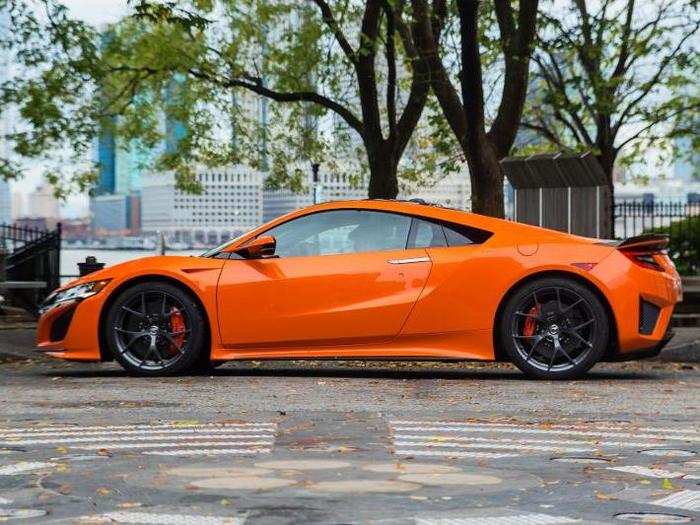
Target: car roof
(436,212)
(414,208)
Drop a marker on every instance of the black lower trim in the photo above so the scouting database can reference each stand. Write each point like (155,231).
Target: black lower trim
(646,353)
(59,327)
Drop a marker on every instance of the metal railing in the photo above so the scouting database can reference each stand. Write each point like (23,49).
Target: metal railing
(635,217)
(33,255)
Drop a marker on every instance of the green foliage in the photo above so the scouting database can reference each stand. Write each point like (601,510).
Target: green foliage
(684,247)
(215,66)
(617,77)
(56,59)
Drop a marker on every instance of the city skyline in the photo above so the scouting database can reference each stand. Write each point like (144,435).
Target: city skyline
(97,13)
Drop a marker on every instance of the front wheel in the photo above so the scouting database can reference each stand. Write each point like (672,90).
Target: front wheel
(155,329)
(554,328)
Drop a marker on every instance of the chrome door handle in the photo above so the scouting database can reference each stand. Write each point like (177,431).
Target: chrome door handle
(409,260)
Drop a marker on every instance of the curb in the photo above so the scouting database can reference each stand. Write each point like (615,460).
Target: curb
(683,353)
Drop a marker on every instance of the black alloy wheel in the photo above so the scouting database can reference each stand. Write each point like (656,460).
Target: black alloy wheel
(554,328)
(155,329)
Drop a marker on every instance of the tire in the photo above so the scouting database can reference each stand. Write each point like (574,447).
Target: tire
(554,328)
(155,329)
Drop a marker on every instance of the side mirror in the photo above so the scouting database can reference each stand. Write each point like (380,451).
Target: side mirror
(257,248)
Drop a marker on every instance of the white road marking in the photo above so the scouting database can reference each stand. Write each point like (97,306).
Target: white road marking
(148,437)
(162,519)
(649,472)
(243,438)
(136,426)
(432,436)
(173,444)
(685,499)
(209,452)
(5,501)
(606,426)
(24,466)
(497,446)
(582,442)
(174,430)
(453,453)
(526,430)
(517,519)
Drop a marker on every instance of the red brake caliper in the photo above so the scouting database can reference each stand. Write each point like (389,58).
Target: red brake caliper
(530,323)
(177,325)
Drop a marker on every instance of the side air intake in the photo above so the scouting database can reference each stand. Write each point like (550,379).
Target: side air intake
(648,316)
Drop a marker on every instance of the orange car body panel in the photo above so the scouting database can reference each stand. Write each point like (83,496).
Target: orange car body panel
(359,305)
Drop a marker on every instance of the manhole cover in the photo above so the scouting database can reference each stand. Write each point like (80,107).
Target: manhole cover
(581,459)
(653,517)
(668,452)
(21,513)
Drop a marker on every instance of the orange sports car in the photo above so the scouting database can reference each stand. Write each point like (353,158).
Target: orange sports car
(375,279)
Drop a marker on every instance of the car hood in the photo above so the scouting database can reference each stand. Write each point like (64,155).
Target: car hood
(155,264)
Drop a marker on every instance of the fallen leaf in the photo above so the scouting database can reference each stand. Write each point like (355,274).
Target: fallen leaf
(604,497)
(129,505)
(667,485)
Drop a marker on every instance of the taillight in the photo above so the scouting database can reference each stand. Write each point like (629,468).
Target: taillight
(643,250)
(644,259)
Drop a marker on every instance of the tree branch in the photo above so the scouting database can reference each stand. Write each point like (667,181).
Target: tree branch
(257,86)
(332,24)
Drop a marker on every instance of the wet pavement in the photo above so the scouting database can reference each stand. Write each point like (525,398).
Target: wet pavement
(348,442)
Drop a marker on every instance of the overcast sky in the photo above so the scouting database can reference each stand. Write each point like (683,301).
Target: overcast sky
(95,12)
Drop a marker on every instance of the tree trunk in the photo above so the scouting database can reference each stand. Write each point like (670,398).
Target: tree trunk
(486,178)
(383,167)
(606,158)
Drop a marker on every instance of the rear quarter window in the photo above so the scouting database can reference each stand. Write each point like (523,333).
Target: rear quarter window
(433,234)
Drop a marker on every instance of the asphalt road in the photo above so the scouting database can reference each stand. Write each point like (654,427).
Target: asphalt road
(348,442)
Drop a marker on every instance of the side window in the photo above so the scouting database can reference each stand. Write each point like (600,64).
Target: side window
(427,234)
(341,231)
(455,237)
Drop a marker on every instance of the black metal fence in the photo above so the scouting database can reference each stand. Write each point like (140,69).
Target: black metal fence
(635,217)
(32,255)
(680,220)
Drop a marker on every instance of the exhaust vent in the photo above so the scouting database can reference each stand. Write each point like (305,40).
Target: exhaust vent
(648,316)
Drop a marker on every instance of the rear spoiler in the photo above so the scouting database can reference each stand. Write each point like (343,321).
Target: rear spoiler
(647,242)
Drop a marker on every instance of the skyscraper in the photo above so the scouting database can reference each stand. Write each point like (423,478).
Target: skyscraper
(106,162)
(5,203)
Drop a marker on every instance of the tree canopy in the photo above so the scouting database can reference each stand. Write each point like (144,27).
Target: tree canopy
(615,77)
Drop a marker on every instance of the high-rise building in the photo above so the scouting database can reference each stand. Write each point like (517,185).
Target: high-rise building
(115,214)
(452,190)
(106,150)
(17,204)
(332,187)
(41,203)
(5,203)
(229,205)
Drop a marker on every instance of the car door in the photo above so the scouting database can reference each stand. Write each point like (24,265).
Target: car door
(338,277)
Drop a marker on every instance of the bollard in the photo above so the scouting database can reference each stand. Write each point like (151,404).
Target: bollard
(90,265)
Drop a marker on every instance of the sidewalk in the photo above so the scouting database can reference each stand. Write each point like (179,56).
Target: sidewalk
(18,344)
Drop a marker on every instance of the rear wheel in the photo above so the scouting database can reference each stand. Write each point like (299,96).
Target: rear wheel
(155,329)
(554,328)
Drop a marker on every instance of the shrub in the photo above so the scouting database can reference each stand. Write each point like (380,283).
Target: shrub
(684,247)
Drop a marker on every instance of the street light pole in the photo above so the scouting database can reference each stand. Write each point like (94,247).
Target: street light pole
(317,187)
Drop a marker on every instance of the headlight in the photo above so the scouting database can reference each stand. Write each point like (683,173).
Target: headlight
(78,292)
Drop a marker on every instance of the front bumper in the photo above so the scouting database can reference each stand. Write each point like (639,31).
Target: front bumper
(70,330)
